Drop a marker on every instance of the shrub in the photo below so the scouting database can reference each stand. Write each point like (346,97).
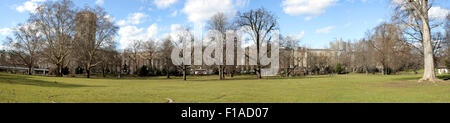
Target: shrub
(144,71)
(66,71)
(79,70)
(338,68)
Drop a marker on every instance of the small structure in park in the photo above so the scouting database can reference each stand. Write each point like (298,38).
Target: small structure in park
(442,70)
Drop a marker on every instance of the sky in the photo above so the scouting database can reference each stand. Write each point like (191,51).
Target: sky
(315,22)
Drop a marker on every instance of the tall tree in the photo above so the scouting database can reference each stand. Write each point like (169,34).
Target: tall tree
(261,23)
(27,45)
(134,50)
(219,22)
(150,48)
(387,42)
(415,14)
(288,55)
(165,52)
(55,20)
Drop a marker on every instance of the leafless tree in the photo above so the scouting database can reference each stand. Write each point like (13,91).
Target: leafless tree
(319,63)
(220,23)
(110,60)
(55,20)
(165,52)
(261,23)
(447,34)
(288,57)
(150,48)
(134,50)
(388,43)
(415,15)
(27,45)
(363,56)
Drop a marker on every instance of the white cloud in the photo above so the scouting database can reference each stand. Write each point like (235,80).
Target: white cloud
(137,18)
(5,31)
(438,13)
(29,6)
(134,19)
(174,13)
(308,18)
(242,3)
(176,27)
(122,23)
(130,33)
(162,4)
(201,10)
(300,36)
(99,2)
(306,7)
(110,18)
(325,30)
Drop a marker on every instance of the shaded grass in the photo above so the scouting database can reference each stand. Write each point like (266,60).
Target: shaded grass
(27,80)
(207,89)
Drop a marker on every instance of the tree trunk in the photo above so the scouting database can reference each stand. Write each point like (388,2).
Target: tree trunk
(168,75)
(88,72)
(30,70)
(59,71)
(258,72)
(220,73)
(120,72)
(367,70)
(223,73)
(103,72)
(184,73)
(429,72)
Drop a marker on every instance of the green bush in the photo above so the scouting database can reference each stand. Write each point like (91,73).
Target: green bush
(338,68)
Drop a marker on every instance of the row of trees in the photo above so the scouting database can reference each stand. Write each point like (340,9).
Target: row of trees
(406,42)
(49,36)
(260,22)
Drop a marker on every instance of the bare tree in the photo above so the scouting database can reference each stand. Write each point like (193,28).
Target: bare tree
(165,52)
(220,23)
(95,30)
(389,46)
(447,34)
(55,20)
(150,48)
(134,50)
(288,57)
(415,15)
(261,23)
(27,45)
(363,55)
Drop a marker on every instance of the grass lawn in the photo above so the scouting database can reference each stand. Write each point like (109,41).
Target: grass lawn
(352,88)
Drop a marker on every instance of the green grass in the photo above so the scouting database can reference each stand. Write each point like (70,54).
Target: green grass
(354,88)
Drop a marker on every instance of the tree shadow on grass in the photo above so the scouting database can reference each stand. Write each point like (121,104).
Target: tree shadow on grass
(442,77)
(24,80)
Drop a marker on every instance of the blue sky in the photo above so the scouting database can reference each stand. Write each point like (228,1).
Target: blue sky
(315,22)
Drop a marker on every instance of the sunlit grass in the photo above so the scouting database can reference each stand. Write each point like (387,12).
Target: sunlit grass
(359,88)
